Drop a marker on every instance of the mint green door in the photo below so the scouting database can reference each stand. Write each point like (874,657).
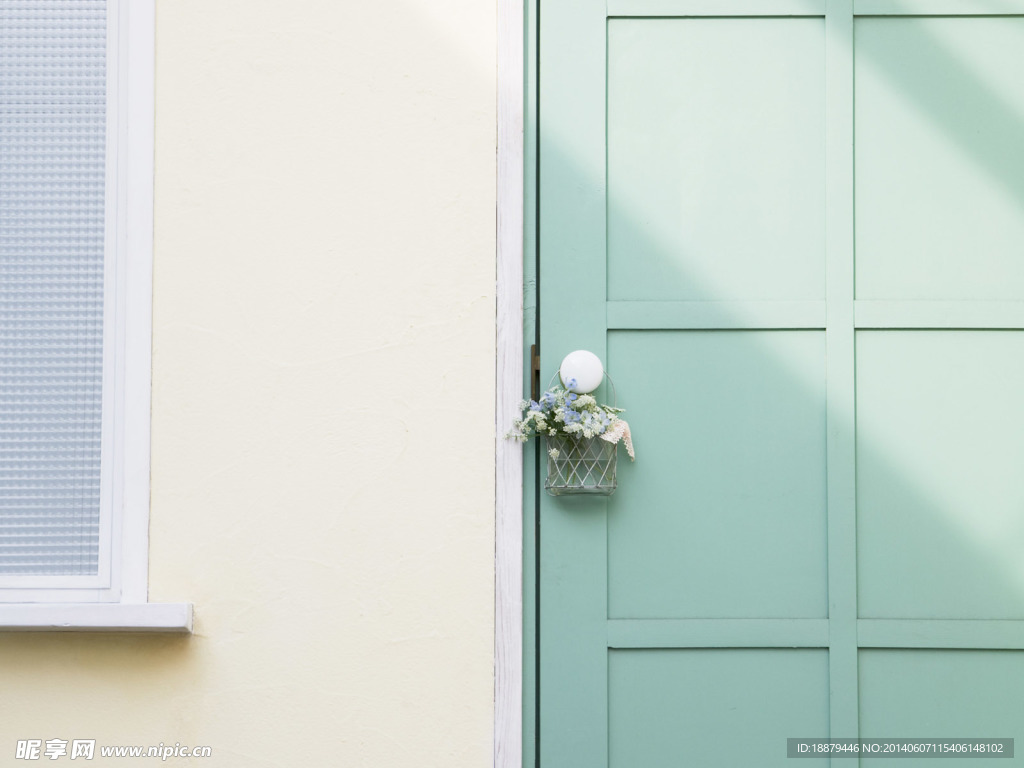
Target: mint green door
(794,230)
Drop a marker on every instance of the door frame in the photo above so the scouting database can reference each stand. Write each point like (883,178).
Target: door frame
(512,76)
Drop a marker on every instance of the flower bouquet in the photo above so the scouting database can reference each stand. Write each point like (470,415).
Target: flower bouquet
(582,436)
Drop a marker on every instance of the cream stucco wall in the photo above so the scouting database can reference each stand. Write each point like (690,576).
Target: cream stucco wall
(322,404)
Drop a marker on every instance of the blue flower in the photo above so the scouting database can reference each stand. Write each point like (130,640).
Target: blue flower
(571,397)
(593,423)
(547,401)
(534,405)
(571,384)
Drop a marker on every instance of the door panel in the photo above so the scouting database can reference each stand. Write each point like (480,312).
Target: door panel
(941,692)
(940,502)
(732,495)
(794,235)
(677,185)
(748,696)
(940,161)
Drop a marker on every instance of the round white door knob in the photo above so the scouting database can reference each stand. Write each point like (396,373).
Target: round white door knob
(583,366)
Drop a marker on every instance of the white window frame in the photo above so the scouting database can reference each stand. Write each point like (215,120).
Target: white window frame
(116,598)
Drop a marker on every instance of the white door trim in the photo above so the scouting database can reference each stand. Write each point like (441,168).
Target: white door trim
(508,519)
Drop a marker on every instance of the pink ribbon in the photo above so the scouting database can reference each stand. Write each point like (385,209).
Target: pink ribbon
(619,430)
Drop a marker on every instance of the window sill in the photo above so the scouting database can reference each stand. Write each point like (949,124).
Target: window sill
(96,617)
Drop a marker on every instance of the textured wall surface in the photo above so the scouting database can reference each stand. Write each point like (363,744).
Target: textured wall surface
(322,402)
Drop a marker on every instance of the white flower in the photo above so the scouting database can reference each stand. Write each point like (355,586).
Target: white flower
(561,414)
(553,453)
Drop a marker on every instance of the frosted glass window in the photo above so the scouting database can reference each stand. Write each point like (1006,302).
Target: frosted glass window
(52,181)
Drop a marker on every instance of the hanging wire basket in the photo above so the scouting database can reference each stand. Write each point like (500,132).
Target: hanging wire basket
(581,465)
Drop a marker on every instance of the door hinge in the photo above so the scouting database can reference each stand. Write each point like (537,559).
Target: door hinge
(534,372)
